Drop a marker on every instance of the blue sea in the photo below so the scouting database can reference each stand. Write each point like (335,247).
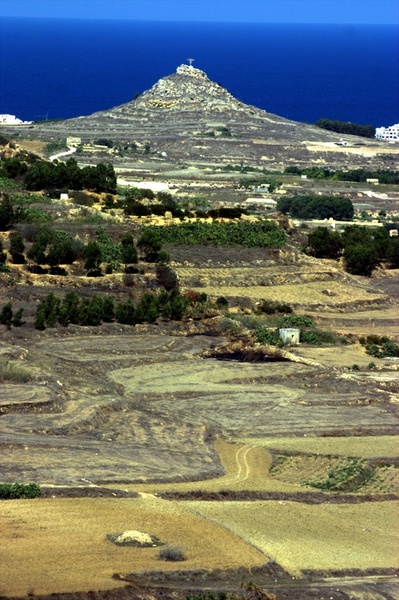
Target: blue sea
(54,68)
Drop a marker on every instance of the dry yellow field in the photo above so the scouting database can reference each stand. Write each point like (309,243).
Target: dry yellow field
(365,447)
(300,536)
(59,545)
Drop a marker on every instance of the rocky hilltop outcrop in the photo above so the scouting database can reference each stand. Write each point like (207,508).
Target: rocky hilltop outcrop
(188,89)
(187,117)
(174,99)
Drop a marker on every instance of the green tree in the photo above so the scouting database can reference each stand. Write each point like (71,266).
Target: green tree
(92,255)
(91,312)
(108,309)
(7,212)
(69,309)
(129,252)
(37,251)
(393,253)
(40,320)
(324,243)
(149,242)
(147,309)
(316,207)
(17,248)
(3,254)
(367,131)
(125,313)
(360,259)
(51,306)
(17,318)
(177,305)
(6,315)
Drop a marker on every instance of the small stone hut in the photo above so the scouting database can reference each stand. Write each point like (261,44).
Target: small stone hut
(290,336)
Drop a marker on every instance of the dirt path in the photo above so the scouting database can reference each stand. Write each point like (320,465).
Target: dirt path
(246,468)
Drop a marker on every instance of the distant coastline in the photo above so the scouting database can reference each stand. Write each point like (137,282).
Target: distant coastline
(301,72)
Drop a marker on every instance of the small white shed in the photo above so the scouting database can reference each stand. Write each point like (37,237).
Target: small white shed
(290,336)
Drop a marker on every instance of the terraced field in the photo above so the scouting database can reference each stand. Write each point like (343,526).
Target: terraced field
(146,429)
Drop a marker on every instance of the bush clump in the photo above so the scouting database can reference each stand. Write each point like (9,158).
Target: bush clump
(12,491)
(266,336)
(13,373)
(295,321)
(349,475)
(171,554)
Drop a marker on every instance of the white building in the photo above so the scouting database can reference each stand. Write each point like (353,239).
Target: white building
(390,134)
(12,120)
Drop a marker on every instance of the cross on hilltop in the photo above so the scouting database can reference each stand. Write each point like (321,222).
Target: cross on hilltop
(190,61)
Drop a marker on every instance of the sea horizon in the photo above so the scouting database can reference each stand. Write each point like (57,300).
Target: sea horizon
(64,68)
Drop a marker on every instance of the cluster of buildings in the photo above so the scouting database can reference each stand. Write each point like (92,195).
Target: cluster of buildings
(12,120)
(390,134)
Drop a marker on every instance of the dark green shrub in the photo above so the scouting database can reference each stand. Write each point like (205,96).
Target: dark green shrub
(11,491)
(360,259)
(108,309)
(128,252)
(384,350)
(270,307)
(222,302)
(91,312)
(6,315)
(266,336)
(147,309)
(125,313)
(40,320)
(347,476)
(13,373)
(163,257)
(296,321)
(93,255)
(317,337)
(177,306)
(17,248)
(316,207)
(51,305)
(17,318)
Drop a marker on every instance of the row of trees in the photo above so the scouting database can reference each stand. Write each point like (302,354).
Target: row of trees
(54,247)
(9,318)
(367,131)
(79,310)
(362,248)
(316,207)
(43,175)
(357,175)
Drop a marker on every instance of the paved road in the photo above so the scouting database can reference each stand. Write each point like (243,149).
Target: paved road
(66,153)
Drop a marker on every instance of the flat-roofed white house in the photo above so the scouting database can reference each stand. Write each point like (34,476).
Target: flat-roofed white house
(12,120)
(266,203)
(390,134)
